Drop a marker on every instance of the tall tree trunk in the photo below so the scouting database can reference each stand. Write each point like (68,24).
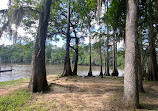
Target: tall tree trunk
(38,81)
(107,49)
(142,57)
(67,66)
(107,53)
(90,64)
(105,63)
(115,71)
(153,71)
(101,65)
(100,44)
(140,73)
(116,56)
(131,95)
(76,58)
(156,7)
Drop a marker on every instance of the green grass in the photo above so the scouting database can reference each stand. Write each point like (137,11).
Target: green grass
(35,108)
(15,100)
(13,82)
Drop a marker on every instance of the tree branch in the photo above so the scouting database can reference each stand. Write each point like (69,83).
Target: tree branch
(73,48)
(3,28)
(55,33)
(31,9)
(63,14)
(73,37)
(4,11)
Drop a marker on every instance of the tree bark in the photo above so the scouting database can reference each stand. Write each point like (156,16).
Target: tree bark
(101,65)
(153,71)
(107,53)
(76,58)
(101,61)
(156,11)
(90,64)
(67,66)
(38,81)
(115,71)
(105,63)
(107,50)
(140,72)
(131,95)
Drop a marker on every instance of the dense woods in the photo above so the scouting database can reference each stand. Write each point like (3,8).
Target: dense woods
(92,31)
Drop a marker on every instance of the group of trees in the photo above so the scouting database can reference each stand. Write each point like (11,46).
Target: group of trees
(134,22)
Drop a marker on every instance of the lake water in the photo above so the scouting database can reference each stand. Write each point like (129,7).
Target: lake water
(24,71)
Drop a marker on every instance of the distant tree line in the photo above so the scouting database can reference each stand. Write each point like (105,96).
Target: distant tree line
(54,55)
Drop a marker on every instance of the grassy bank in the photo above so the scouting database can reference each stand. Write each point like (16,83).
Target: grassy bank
(15,100)
(13,82)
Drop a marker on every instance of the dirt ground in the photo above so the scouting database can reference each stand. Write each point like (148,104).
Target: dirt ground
(86,94)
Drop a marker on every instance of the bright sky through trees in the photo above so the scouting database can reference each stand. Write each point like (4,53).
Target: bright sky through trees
(3,4)
(5,41)
(60,43)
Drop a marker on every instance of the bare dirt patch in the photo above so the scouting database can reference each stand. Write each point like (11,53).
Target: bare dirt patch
(77,94)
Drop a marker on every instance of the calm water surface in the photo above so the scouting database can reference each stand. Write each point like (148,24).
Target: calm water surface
(24,71)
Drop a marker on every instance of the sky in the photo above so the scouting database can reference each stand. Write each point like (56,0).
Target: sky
(3,4)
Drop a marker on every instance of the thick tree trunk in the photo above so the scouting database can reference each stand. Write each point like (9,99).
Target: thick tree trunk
(131,95)
(115,71)
(76,58)
(67,66)
(153,67)
(90,64)
(38,81)
(153,71)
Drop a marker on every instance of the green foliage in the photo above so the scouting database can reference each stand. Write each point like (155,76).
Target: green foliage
(19,53)
(85,11)
(57,55)
(84,55)
(116,14)
(48,52)
(83,7)
(121,58)
(14,101)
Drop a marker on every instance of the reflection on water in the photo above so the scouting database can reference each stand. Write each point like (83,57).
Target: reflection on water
(24,71)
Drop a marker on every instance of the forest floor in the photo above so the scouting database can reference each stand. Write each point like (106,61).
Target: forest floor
(84,94)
